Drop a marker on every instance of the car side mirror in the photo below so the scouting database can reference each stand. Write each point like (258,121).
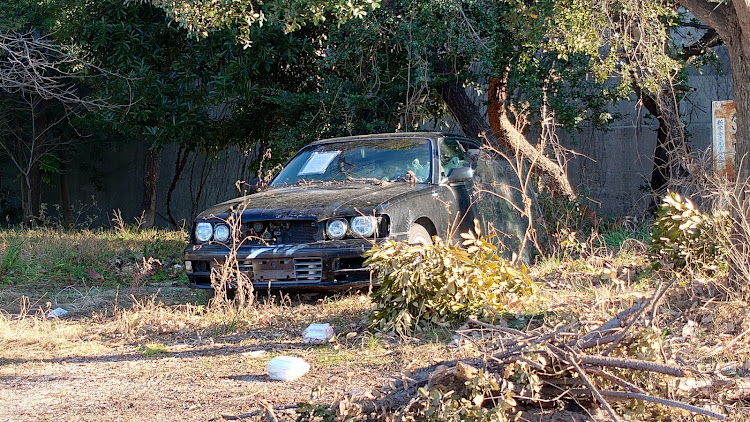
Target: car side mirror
(460,174)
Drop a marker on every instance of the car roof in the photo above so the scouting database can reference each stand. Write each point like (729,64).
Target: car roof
(397,135)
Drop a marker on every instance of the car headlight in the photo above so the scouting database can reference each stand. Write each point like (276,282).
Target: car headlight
(203,232)
(363,225)
(221,233)
(336,228)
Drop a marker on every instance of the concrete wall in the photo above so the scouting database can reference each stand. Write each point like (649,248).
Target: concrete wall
(617,162)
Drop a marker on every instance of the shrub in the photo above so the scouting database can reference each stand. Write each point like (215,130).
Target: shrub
(442,283)
(687,237)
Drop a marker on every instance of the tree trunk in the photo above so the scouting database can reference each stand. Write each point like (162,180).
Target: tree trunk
(671,149)
(739,57)
(150,186)
(501,132)
(512,139)
(32,195)
(464,110)
(732,21)
(179,165)
(67,206)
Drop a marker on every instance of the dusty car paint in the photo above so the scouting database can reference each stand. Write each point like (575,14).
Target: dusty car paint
(295,251)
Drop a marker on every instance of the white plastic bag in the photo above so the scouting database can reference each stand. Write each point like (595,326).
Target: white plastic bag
(317,333)
(56,313)
(286,368)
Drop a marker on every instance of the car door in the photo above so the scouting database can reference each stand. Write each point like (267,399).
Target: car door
(455,195)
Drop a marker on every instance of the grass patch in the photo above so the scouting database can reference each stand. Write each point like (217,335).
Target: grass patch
(151,350)
(88,257)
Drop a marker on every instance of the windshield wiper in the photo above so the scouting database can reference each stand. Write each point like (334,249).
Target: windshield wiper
(365,179)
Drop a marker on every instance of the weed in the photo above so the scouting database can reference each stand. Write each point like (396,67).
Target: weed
(371,341)
(151,350)
(227,276)
(12,253)
(81,257)
(119,222)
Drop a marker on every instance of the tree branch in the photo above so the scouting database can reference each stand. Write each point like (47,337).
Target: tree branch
(716,15)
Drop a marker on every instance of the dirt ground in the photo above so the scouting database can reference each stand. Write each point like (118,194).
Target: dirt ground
(98,364)
(162,353)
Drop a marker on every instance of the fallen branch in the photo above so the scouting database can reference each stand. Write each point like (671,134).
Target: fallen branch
(625,395)
(594,391)
(635,364)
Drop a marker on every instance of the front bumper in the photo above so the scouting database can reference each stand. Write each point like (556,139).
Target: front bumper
(326,265)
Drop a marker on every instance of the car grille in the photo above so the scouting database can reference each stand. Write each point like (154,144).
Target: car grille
(246,266)
(308,270)
(286,232)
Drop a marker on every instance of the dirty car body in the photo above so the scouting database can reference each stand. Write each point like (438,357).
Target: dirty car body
(331,202)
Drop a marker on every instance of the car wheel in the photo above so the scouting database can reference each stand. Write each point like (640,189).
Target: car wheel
(418,235)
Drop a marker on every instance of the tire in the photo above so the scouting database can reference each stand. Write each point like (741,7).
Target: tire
(418,235)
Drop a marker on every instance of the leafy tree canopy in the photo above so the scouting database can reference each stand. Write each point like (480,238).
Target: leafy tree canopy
(200,17)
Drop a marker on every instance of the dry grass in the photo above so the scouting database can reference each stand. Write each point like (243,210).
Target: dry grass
(118,326)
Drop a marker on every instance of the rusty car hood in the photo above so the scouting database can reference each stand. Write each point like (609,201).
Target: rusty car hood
(319,201)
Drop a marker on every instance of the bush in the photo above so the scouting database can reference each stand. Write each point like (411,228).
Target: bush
(442,283)
(687,237)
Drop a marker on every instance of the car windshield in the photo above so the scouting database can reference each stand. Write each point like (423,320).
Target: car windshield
(376,160)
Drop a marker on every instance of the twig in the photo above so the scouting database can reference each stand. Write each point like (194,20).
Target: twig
(255,413)
(615,379)
(625,363)
(525,343)
(656,301)
(622,319)
(406,409)
(499,328)
(736,339)
(626,395)
(653,306)
(270,414)
(594,391)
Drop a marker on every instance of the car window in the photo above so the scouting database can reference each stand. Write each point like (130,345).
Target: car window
(452,155)
(383,159)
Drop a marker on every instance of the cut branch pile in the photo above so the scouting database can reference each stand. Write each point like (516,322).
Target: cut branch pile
(554,369)
(561,367)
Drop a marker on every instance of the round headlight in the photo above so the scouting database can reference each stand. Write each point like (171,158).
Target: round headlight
(336,228)
(221,233)
(203,232)
(363,225)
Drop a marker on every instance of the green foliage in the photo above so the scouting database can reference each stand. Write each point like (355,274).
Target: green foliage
(686,237)
(469,405)
(442,283)
(308,412)
(210,92)
(10,259)
(201,17)
(627,38)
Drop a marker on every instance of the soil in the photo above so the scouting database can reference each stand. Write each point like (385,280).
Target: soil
(192,384)
(186,376)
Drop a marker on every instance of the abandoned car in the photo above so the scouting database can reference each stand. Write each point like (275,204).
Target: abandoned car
(336,197)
